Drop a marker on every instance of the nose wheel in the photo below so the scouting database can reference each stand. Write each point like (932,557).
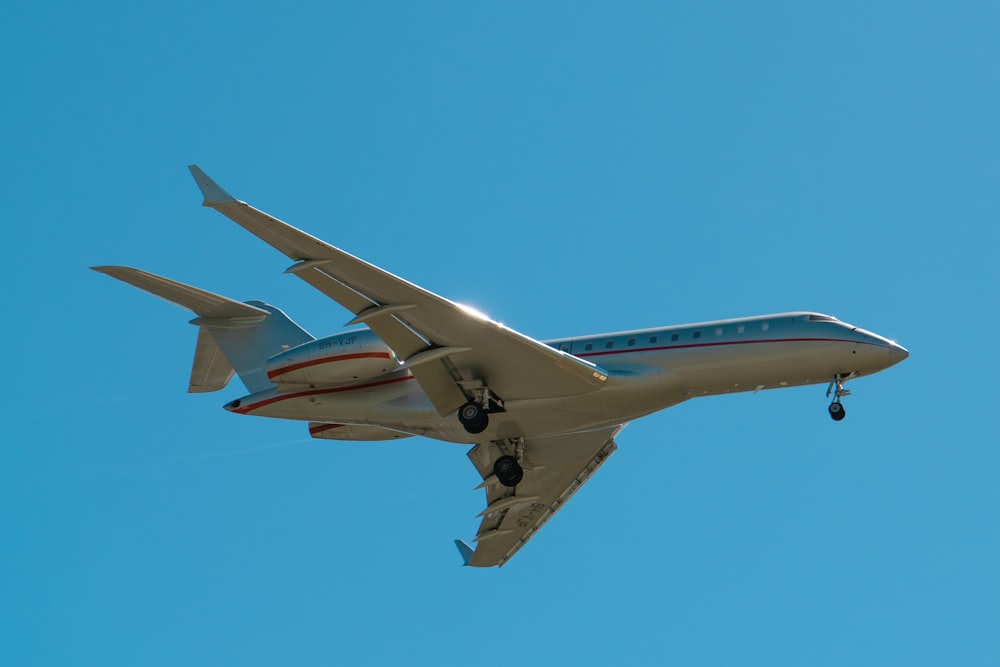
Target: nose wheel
(837,411)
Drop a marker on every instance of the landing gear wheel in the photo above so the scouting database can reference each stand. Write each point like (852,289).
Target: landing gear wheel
(473,417)
(836,388)
(508,471)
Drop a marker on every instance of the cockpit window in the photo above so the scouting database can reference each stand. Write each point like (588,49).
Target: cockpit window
(822,318)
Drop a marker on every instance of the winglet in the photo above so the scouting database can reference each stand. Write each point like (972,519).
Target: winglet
(465,550)
(212,191)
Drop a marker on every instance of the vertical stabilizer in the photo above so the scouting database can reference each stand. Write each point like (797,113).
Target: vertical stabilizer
(249,344)
(210,371)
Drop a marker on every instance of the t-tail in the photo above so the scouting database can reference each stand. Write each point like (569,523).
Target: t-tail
(233,336)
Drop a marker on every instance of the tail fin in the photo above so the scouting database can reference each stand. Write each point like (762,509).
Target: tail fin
(210,371)
(246,334)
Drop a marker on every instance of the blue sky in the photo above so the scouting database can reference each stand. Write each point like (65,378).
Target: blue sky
(568,169)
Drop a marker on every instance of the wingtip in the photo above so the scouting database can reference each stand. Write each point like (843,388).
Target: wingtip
(113,271)
(210,190)
(126,274)
(465,550)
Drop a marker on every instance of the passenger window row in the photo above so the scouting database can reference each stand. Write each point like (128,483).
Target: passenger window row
(674,337)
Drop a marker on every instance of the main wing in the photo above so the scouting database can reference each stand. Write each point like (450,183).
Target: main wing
(555,467)
(445,345)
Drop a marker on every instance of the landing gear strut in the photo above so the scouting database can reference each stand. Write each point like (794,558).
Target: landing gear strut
(837,411)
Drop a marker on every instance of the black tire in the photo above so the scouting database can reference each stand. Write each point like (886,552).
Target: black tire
(470,412)
(508,471)
(837,411)
(473,417)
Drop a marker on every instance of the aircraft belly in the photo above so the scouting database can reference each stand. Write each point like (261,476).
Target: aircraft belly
(750,368)
(632,390)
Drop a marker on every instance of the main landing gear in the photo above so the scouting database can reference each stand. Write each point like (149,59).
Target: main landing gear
(475,415)
(507,467)
(508,471)
(837,411)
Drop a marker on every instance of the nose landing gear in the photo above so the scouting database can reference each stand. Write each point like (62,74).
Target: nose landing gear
(837,411)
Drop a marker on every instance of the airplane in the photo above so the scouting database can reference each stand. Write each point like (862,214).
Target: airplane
(542,416)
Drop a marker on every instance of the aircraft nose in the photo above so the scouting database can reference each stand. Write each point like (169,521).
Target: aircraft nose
(897,353)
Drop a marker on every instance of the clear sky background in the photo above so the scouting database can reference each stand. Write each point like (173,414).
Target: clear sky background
(569,169)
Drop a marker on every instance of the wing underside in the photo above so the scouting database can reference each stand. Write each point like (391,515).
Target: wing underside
(555,467)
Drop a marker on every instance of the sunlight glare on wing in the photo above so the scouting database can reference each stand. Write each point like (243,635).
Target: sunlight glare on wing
(478,314)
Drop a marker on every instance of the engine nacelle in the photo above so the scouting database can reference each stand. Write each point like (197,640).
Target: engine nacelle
(340,359)
(354,432)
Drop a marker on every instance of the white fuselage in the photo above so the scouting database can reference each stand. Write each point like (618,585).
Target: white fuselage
(648,370)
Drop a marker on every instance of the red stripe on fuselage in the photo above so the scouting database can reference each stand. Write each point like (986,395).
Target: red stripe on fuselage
(325,360)
(245,409)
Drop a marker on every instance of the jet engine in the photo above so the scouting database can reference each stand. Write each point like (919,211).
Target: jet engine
(341,359)
(354,432)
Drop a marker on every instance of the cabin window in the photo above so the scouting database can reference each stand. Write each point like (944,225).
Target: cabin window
(631,342)
(764,326)
(652,339)
(696,334)
(718,331)
(590,346)
(610,344)
(675,336)
(740,328)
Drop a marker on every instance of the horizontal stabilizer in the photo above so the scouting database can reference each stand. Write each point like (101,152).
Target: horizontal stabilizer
(233,336)
(200,302)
